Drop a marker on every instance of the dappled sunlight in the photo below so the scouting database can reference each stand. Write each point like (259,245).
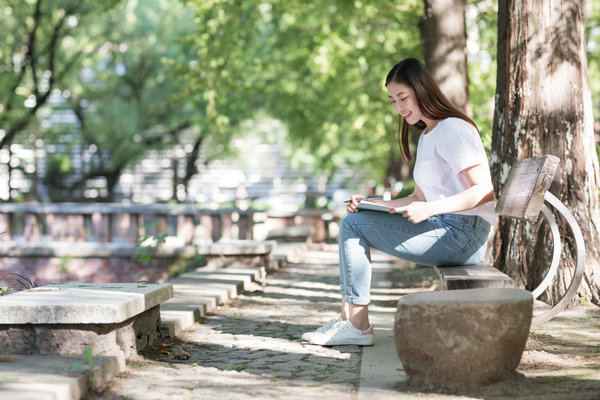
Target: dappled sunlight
(556,85)
(265,343)
(303,293)
(305,284)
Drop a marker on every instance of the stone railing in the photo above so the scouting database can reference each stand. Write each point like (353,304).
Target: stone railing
(97,242)
(109,222)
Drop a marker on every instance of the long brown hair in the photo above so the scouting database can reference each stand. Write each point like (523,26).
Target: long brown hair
(430,99)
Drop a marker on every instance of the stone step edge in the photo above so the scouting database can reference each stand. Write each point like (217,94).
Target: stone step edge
(186,307)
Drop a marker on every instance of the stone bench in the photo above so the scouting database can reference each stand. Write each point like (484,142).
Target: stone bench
(302,234)
(461,338)
(118,319)
(231,253)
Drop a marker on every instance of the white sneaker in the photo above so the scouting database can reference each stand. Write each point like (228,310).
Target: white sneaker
(306,335)
(343,333)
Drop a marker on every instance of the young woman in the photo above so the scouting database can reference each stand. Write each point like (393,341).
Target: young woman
(445,221)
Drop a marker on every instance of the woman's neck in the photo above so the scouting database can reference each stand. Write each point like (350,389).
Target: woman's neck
(431,124)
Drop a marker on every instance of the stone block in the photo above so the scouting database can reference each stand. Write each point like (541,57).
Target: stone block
(112,318)
(125,339)
(462,338)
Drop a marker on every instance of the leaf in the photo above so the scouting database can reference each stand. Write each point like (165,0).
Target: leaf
(181,354)
(75,365)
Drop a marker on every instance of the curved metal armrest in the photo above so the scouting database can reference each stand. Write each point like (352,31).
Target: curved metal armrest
(579,269)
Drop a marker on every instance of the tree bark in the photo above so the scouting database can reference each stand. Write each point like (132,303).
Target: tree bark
(544,106)
(445,42)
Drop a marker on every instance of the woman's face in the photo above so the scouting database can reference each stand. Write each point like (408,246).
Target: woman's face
(404,102)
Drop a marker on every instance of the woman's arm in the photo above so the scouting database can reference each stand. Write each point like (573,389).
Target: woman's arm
(404,201)
(416,196)
(479,192)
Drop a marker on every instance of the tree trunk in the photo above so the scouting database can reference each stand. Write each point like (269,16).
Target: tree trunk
(544,106)
(445,40)
(190,164)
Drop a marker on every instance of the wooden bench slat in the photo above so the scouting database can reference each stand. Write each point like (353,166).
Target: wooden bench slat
(523,192)
(471,277)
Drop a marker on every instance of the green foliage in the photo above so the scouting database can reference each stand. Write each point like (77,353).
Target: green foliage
(57,168)
(128,97)
(147,244)
(183,265)
(593,53)
(149,75)
(88,361)
(4,290)
(39,50)
(111,64)
(317,66)
(87,365)
(482,31)
(232,367)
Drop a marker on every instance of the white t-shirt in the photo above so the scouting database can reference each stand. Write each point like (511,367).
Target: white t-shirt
(450,147)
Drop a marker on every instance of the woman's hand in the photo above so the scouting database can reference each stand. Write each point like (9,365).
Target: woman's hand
(415,212)
(353,205)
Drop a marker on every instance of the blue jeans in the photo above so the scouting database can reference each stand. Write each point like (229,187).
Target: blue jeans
(448,239)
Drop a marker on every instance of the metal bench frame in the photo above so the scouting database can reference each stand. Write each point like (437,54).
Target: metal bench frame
(556,240)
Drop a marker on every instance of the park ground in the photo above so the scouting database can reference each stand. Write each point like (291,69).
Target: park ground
(250,348)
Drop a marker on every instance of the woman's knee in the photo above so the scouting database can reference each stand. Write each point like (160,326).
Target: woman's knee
(351,219)
(346,222)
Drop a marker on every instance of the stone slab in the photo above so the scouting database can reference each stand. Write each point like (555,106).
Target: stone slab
(82,303)
(462,338)
(26,377)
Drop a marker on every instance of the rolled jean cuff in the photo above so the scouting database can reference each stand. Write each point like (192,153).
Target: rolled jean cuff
(359,301)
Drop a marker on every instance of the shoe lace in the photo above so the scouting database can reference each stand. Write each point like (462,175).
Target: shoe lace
(328,325)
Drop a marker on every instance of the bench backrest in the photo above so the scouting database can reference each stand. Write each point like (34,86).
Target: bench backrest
(522,195)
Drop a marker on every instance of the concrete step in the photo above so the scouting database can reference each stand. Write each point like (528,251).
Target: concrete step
(198,293)
(27,377)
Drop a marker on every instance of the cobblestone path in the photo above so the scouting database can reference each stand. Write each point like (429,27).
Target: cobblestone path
(251,347)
